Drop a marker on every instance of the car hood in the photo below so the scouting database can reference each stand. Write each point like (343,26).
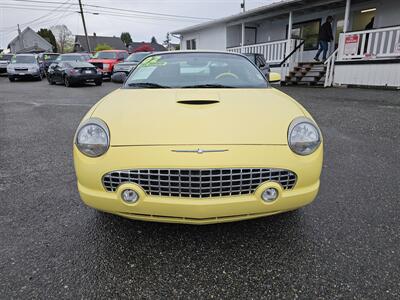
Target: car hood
(104,61)
(158,117)
(23,66)
(127,63)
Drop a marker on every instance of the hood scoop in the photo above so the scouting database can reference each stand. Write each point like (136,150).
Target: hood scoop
(198,102)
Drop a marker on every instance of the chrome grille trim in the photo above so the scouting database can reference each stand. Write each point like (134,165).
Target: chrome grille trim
(199,183)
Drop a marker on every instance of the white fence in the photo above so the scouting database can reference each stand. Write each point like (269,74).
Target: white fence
(374,43)
(274,52)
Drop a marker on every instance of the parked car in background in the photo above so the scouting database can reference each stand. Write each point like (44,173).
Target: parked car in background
(5,59)
(73,57)
(25,66)
(107,59)
(46,59)
(130,62)
(74,72)
(260,62)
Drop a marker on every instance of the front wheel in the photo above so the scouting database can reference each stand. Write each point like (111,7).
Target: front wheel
(51,81)
(12,79)
(67,82)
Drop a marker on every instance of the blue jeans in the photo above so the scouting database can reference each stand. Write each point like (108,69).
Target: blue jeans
(323,46)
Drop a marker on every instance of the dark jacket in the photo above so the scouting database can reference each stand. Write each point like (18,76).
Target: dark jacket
(325,32)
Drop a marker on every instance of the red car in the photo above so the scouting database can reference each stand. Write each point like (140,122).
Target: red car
(106,59)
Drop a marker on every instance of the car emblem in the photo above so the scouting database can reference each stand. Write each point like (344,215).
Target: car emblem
(200,151)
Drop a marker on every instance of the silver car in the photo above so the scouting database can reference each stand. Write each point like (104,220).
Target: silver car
(4,61)
(25,66)
(130,62)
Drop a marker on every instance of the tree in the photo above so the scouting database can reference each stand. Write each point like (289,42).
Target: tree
(126,38)
(153,40)
(167,41)
(64,38)
(48,36)
(101,47)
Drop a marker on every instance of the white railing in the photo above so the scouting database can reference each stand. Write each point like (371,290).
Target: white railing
(293,58)
(330,68)
(274,52)
(374,43)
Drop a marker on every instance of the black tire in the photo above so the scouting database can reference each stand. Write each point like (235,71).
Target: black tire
(12,79)
(98,82)
(67,83)
(51,81)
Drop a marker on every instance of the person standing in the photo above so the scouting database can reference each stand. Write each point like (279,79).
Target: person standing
(324,38)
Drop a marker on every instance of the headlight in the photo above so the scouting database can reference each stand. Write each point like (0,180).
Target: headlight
(106,66)
(93,138)
(304,136)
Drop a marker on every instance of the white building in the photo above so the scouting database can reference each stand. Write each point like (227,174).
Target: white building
(29,41)
(356,57)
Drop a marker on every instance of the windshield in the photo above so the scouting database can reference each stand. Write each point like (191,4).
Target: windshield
(196,70)
(105,55)
(6,56)
(136,57)
(23,59)
(70,58)
(50,56)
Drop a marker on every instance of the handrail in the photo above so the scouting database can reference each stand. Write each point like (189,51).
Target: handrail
(380,29)
(329,57)
(291,53)
(330,66)
(259,44)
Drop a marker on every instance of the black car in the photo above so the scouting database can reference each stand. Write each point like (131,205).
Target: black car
(259,61)
(74,72)
(46,59)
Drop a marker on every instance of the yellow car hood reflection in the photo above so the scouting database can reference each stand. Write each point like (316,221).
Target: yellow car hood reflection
(197,116)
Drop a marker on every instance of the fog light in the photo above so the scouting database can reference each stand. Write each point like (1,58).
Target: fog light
(130,196)
(269,195)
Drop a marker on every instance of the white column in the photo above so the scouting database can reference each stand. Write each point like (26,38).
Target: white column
(289,34)
(346,16)
(243,33)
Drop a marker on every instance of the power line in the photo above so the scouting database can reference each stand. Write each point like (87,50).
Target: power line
(120,9)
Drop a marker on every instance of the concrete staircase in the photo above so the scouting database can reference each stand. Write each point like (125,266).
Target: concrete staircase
(307,73)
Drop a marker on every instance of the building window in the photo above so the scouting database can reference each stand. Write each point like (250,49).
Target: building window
(308,31)
(191,44)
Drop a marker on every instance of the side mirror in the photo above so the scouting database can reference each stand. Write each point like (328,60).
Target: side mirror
(118,77)
(274,77)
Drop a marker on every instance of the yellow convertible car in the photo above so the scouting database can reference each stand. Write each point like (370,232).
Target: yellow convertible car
(197,137)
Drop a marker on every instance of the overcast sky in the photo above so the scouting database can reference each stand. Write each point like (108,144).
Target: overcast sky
(44,15)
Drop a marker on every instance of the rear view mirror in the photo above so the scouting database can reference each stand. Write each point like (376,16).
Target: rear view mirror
(274,77)
(118,77)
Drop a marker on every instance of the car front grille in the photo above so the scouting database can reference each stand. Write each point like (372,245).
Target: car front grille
(199,183)
(98,65)
(21,69)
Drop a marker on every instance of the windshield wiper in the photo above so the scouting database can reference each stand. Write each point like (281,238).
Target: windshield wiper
(208,85)
(147,85)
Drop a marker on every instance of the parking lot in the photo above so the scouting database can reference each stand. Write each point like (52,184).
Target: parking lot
(344,245)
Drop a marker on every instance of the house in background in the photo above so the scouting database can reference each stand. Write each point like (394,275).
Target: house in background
(94,40)
(135,46)
(28,41)
(286,33)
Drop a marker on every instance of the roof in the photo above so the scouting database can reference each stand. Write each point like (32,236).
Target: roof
(276,7)
(155,46)
(113,41)
(33,31)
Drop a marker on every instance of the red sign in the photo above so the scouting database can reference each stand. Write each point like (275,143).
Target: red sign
(351,44)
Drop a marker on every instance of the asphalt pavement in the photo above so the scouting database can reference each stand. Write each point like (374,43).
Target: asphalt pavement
(344,245)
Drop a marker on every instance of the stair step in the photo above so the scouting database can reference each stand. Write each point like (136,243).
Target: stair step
(315,73)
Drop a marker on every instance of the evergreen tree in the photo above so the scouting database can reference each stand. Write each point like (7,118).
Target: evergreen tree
(48,36)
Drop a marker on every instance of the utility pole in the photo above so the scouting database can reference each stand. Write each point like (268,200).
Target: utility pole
(243,5)
(84,26)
